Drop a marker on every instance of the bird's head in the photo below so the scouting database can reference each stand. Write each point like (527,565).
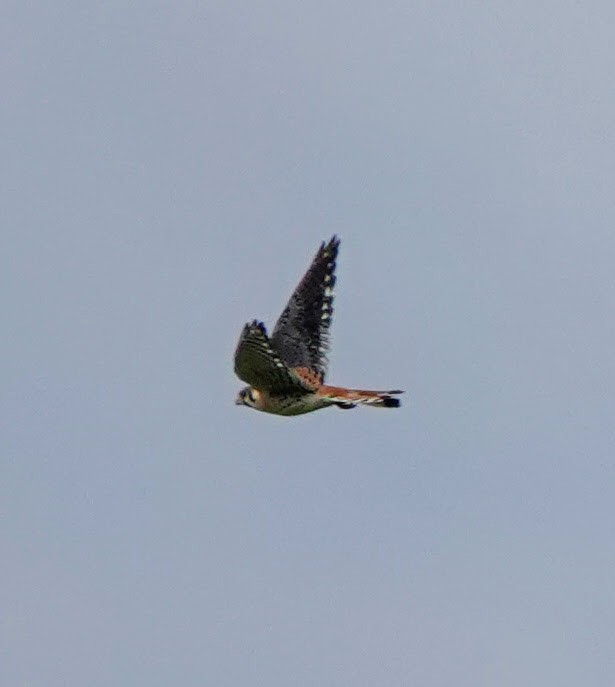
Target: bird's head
(248,396)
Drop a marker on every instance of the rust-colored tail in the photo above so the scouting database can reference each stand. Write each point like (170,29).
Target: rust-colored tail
(349,398)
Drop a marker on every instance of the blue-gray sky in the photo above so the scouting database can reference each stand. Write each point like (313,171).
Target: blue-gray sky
(169,170)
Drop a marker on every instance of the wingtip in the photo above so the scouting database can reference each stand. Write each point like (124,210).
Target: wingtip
(256,324)
(329,251)
(331,245)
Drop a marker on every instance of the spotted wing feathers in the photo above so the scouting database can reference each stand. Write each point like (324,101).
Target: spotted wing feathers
(259,364)
(301,335)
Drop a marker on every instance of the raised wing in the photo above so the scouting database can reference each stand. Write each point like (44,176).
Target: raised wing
(301,335)
(258,364)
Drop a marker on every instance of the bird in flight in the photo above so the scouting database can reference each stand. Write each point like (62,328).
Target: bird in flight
(286,372)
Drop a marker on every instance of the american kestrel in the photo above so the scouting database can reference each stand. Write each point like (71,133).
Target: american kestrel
(286,372)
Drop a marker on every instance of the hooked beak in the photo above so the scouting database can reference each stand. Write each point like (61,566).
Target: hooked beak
(238,401)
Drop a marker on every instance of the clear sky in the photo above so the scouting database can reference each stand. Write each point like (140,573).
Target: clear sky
(169,169)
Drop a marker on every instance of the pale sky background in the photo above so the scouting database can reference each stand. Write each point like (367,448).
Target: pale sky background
(169,169)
